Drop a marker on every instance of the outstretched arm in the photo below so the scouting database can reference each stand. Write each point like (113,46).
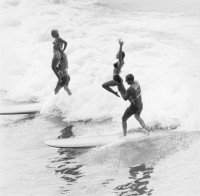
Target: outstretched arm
(120,49)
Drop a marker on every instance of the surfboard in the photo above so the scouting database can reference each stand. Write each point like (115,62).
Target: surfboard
(82,142)
(20,109)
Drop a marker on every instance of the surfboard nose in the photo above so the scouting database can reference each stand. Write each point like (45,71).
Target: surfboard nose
(20,109)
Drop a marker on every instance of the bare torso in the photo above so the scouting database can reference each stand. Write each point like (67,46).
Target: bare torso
(135,93)
(57,45)
(117,69)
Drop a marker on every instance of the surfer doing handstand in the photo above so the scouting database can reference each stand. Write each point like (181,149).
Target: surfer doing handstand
(60,62)
(117,80)
(133,94)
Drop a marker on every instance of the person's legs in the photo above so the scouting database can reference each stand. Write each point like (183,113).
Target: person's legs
(55,62)
(124,126)
(67,79)
(140,120)
(67,90)
(107,85)
(127,114)
(57,89)
(60,84)
(64,62)
(64,83)
(121,88)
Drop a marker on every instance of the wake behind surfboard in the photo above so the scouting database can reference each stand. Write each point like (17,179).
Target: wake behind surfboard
(20,109)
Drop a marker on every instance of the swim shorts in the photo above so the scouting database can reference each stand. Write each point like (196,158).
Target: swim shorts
(131,110)
(64,80)
(117,78)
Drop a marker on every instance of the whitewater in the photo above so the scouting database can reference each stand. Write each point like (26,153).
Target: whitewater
(162,46)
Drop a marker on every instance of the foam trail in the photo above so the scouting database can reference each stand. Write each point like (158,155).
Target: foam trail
(134,151)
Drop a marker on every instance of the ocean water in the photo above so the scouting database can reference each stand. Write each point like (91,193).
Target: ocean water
(162,46)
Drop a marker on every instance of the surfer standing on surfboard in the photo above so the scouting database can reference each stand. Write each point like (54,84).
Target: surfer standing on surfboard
(117,80)
(133,94)
(60,62)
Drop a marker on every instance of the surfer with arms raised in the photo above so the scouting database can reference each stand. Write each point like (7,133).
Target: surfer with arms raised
(117,80)
(60,62)
(133,94)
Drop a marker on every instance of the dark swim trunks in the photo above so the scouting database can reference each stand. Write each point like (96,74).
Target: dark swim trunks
(131,110)
(64,80)
(117,78)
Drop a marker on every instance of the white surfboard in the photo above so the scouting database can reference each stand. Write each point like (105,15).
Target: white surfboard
(20,109)
(82,142)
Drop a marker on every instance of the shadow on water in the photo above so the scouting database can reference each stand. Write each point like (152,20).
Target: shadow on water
(140,176)
(65,164)
(67,168)
(67,132)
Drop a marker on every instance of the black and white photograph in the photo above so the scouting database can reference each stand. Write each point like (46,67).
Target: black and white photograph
(100,98)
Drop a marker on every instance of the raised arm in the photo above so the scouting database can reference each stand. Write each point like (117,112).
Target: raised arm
(120,49)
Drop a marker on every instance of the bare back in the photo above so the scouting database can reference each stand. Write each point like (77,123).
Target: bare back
(134,92)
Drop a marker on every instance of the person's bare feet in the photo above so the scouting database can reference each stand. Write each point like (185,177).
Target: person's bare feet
(145,130)
(55,91)
(69,92)
(116,93)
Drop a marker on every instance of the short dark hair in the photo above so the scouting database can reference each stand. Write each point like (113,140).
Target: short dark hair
(54,31)
(130,77)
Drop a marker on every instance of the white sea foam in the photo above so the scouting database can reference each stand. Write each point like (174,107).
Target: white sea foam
(155,5)
(162,51)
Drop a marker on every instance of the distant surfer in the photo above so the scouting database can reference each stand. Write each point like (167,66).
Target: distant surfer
(60,62)
(133,94)
(117,80)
